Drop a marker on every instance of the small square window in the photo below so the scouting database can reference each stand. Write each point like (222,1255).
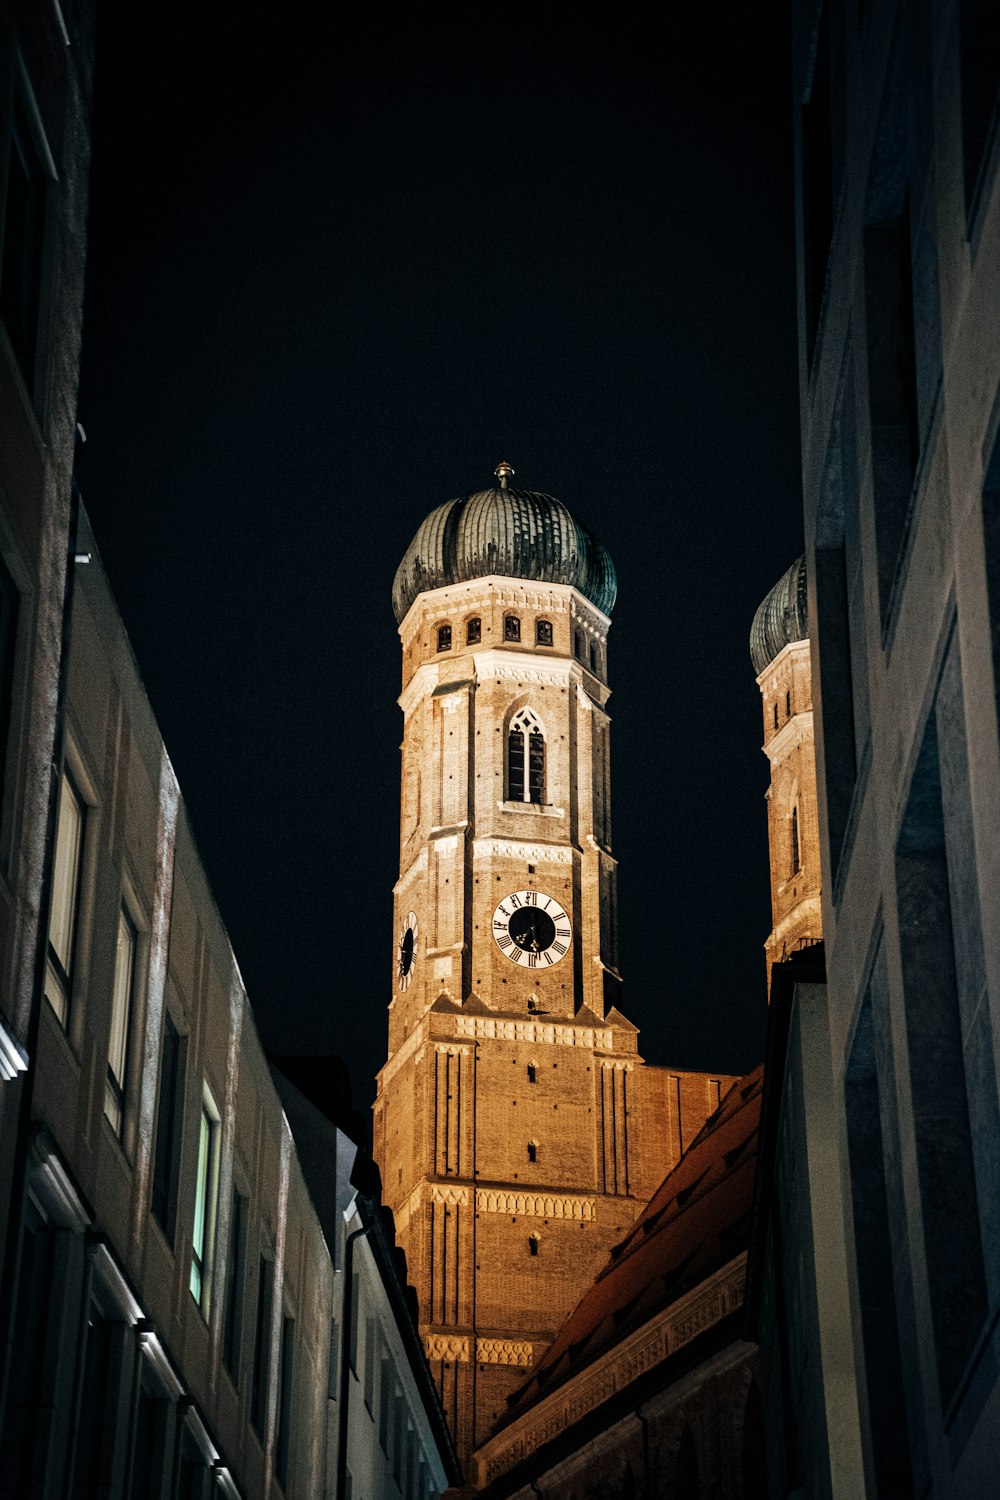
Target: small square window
(444,637)
(511,628)
(543,632)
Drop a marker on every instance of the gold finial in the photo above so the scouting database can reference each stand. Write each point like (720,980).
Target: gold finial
(503,471)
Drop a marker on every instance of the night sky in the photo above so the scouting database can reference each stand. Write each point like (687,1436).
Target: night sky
(337,270)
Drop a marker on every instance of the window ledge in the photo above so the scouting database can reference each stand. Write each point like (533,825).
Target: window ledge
(533,809)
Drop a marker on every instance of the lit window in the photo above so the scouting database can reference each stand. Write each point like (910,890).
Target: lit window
(532,1151)
(532,1244)
(444,637)
(205,1204)
(525,758)
(543,632)
(473,631)
(796,857)
(121,1019)
(511,628)
(65,899)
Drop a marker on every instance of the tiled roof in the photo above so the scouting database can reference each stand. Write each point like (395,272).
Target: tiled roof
(696,1222)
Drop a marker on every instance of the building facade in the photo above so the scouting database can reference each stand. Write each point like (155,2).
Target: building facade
(517,1131)
(182,1316)
(899,264)
(779,649)
(46,63)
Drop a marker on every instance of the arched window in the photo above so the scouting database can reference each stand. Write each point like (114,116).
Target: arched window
(473,631)
(578,644)
(775,713)
(444,637)
(532,1151)
(512,627)
(796,853)
(593,658)
(532,1244)
(543,632)
(788,704)
(532,1073)
(525,758)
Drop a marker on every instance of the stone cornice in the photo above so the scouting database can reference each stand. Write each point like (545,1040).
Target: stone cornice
(453,1348)
(504,1352)
(535,1205)
(673,1328)
(792,733)
(520,849)
(546,1033)
(519,591)
(784,658)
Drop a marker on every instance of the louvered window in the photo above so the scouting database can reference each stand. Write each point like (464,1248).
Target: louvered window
(525,758)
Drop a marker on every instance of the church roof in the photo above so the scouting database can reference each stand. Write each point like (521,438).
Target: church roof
(512,533)
(781,618)
(695,1223)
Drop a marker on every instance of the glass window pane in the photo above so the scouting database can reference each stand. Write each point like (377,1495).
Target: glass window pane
(66,874)
(200,1205)
(121,1001)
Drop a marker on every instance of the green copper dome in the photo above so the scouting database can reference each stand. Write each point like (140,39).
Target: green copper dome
(511,533)
(782,617)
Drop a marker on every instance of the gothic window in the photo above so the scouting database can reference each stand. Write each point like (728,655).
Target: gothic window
(473,631)
(525,758)
(512,627)
(788,704)
(532,1073)
(593,658)
(532,1244)
(796,855)
(532,1151)
(444,637)
(543,632)
(776,713)
(578,644)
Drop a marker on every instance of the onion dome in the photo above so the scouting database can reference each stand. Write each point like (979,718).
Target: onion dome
(511,533)
(782,618)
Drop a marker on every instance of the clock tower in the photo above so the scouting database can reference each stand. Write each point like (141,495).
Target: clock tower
(516,1131)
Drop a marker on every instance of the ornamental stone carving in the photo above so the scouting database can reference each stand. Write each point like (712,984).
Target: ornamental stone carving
(533,1031)
(447,1346)
(453,1196)
(532,854)
(535,1205)
(503,1352)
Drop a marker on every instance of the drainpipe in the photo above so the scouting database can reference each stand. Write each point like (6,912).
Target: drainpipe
(11,1265)
(345,1356)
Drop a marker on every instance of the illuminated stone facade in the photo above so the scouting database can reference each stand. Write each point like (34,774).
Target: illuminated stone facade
(517,1129)
(785,681)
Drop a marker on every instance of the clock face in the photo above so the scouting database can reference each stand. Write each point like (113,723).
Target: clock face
(532,929)
(406,951)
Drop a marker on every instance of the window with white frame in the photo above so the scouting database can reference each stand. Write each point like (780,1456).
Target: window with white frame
(65,898)
(121,1021)
(525,758)
(205,1203)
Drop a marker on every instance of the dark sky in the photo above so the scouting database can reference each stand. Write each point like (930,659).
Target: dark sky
(337,270)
